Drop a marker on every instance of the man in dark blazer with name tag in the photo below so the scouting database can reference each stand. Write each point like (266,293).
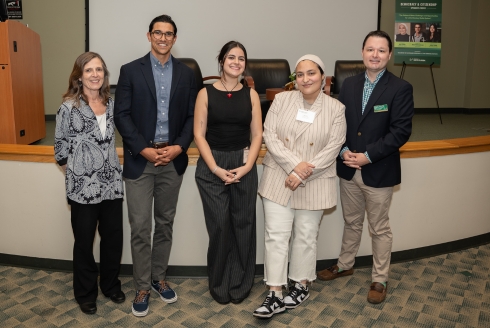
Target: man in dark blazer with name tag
(154,110)
(379,111)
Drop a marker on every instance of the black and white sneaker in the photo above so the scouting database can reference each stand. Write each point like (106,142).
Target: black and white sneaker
(297,294)
(271,306)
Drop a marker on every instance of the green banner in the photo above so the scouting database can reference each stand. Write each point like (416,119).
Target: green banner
(418,29)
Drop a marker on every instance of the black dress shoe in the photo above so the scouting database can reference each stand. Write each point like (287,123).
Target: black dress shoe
(237,300)
(88,307)
(118,297)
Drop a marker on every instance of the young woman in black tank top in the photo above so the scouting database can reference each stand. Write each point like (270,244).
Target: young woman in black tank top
(228,134)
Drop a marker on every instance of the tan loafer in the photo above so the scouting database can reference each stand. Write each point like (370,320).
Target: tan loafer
(333,273)
(377,293)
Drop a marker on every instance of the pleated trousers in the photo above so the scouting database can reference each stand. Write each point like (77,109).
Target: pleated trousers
(85,218)
(230,214)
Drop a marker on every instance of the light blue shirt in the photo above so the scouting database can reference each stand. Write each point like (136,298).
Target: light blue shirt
(162,74)
(368,88)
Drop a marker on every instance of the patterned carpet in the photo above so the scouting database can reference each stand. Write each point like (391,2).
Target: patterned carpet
(451,290)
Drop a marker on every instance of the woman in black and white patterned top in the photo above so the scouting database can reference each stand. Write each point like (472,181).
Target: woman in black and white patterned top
(85,149)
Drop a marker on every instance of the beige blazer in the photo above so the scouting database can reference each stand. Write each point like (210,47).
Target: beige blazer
(290,142)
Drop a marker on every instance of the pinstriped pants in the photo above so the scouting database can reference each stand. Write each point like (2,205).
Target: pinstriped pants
(230,215)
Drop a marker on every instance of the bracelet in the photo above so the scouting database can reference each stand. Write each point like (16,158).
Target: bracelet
(214,171)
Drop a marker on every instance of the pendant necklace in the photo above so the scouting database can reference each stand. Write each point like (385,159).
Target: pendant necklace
(229,92)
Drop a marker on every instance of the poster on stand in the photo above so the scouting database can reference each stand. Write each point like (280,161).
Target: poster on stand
(418,31)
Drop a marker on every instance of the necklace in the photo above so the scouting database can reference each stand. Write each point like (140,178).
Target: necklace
(229,92)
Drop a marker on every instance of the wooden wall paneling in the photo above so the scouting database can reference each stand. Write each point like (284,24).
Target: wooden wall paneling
(7,124)
(4,51)
(27,91)
(45,154)
(37,122)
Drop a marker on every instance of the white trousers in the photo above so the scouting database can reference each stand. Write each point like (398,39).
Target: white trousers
(283,224)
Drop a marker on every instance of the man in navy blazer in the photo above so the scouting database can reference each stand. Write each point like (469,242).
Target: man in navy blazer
(154,112)
(379,111)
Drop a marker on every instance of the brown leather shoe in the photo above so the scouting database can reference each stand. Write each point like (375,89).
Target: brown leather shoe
(377,293)
(333,273)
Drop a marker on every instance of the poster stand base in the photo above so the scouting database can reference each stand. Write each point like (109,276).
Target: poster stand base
(433,84)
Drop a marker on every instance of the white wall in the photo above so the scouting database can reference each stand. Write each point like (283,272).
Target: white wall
(441,199)
(461,80)
(287,29)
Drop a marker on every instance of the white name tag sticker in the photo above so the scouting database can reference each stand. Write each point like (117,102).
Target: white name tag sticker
(305,116)
(245,154)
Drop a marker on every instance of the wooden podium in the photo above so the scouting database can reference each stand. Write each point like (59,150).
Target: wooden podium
(21,85)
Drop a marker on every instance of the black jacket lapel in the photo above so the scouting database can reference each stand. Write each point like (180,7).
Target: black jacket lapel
(176,72)
(148,74)
(359,87)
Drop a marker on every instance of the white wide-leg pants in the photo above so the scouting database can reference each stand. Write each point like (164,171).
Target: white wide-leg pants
(283,224)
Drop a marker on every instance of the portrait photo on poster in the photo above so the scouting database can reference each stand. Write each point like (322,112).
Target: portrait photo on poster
(433,32)
(402,32)
(416,33)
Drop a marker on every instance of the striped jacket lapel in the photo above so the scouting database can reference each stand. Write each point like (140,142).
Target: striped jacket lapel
(316,108)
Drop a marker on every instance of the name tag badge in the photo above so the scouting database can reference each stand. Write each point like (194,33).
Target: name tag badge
(381,108)
(305,116)
(245,154)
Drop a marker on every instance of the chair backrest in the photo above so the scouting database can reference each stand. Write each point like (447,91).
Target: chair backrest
(268,73)
(345,69)
(192,64)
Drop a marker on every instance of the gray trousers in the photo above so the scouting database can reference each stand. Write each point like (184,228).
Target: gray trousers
(158,186)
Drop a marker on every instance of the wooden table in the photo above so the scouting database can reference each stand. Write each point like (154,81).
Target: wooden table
(271,93)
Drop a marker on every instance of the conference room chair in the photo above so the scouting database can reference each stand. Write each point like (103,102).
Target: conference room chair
(267,73)
(202,81)
(343,70)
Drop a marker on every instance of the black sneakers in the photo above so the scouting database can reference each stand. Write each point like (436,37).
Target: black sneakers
(297,294)
(271,306)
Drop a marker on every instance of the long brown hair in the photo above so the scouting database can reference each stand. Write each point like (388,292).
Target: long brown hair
(75,88)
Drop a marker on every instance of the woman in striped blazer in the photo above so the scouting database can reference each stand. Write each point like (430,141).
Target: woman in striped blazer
(303,131)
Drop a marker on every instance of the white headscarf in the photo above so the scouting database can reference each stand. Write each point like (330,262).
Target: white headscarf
(406,29)
(314,59)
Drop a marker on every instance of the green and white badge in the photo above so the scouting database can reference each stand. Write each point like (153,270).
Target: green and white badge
(381,108)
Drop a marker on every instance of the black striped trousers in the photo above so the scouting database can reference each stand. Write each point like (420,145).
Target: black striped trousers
(230,215)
